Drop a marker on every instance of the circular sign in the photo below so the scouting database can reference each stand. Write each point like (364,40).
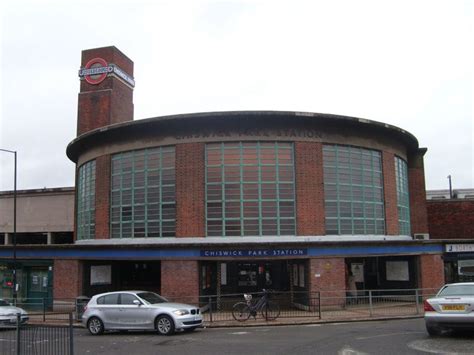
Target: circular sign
(96,70)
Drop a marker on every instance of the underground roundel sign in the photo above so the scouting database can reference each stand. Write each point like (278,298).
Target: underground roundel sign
(95,71)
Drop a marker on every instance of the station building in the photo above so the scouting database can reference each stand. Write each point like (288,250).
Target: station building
(228,202)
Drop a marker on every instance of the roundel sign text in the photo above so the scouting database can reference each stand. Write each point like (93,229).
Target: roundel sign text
(95,71)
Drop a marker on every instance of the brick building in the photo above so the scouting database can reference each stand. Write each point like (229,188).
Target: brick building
(224,202)
(451,218)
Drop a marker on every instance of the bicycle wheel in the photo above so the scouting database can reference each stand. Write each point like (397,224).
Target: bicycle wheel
(241,311)
(271,310)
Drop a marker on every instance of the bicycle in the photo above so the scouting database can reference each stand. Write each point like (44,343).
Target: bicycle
(241,311)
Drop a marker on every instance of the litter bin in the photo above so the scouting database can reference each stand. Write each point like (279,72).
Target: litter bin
(81,303)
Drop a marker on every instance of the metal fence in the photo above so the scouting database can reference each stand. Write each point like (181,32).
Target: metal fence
(36,339)
(46,309)
(323,305)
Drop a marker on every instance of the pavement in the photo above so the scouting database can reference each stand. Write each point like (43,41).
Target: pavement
(351,313)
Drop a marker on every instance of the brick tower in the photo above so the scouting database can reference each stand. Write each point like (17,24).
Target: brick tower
(106,94)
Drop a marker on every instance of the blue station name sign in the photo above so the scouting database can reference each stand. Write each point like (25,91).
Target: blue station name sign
(219,253)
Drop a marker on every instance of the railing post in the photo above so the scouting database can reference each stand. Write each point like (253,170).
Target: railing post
(370,303)
(417,302)
(71,336)
(18,343)
(210,309)
(319,304)
(44,310)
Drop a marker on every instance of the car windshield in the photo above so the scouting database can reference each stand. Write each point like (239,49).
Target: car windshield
(151,298)
(457,290)
(4,303)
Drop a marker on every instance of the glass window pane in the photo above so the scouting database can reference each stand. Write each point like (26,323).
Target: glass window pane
(257,175)
(353,188)
(143,193)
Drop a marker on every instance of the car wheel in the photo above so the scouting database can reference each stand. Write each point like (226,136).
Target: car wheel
(433,330)
(95,326)
(164,325)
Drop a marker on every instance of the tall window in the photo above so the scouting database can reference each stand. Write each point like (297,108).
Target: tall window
(353,189)
(143,202)
(250,189)
(403,200)
(86,201)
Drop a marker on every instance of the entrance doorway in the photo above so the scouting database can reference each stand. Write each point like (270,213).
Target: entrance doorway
(251,276)
(107,276)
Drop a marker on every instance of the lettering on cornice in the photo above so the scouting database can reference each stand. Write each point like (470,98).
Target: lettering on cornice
(253,133)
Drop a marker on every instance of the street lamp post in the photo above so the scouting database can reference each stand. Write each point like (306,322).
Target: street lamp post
(450,187)
(15,287)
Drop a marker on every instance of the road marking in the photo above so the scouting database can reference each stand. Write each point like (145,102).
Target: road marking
(387,335)
(349,351)
(312,325)
(444,346)
(238,333)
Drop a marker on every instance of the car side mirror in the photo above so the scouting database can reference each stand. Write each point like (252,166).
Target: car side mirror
(137,302)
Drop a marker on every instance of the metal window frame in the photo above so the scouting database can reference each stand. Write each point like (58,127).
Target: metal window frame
(403,196)
(277,147)
(86,201)
(148,153)
(365,185)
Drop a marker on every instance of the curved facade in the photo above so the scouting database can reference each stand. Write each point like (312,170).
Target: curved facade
(237,201)
(245,174)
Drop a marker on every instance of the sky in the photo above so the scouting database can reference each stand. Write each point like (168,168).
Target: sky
(405,63)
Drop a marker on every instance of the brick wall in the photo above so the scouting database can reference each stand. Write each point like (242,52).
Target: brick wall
(180,280)
(327,275)
(102,197)
(416,186)
(390,193)
(451,219)
(108,102)
(331,273)
(190,190)
(310,218)
(431,272)
(67,278)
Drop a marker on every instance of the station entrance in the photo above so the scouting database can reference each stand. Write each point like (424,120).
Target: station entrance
(107,276)
(251,276)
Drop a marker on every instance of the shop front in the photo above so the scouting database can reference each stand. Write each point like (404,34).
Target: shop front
(34,279)
(459,262)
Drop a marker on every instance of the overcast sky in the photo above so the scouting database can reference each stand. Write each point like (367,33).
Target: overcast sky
(406,63)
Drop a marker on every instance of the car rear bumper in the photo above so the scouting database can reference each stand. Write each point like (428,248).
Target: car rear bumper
(449,320)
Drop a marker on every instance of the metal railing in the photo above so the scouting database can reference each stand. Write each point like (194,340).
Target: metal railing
(322,305)
(37,339)
(46,309)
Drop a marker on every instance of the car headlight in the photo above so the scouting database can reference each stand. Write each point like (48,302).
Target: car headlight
(181,312)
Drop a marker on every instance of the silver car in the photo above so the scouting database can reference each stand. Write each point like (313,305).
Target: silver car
(139,310)
(451,308)
(8,314)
